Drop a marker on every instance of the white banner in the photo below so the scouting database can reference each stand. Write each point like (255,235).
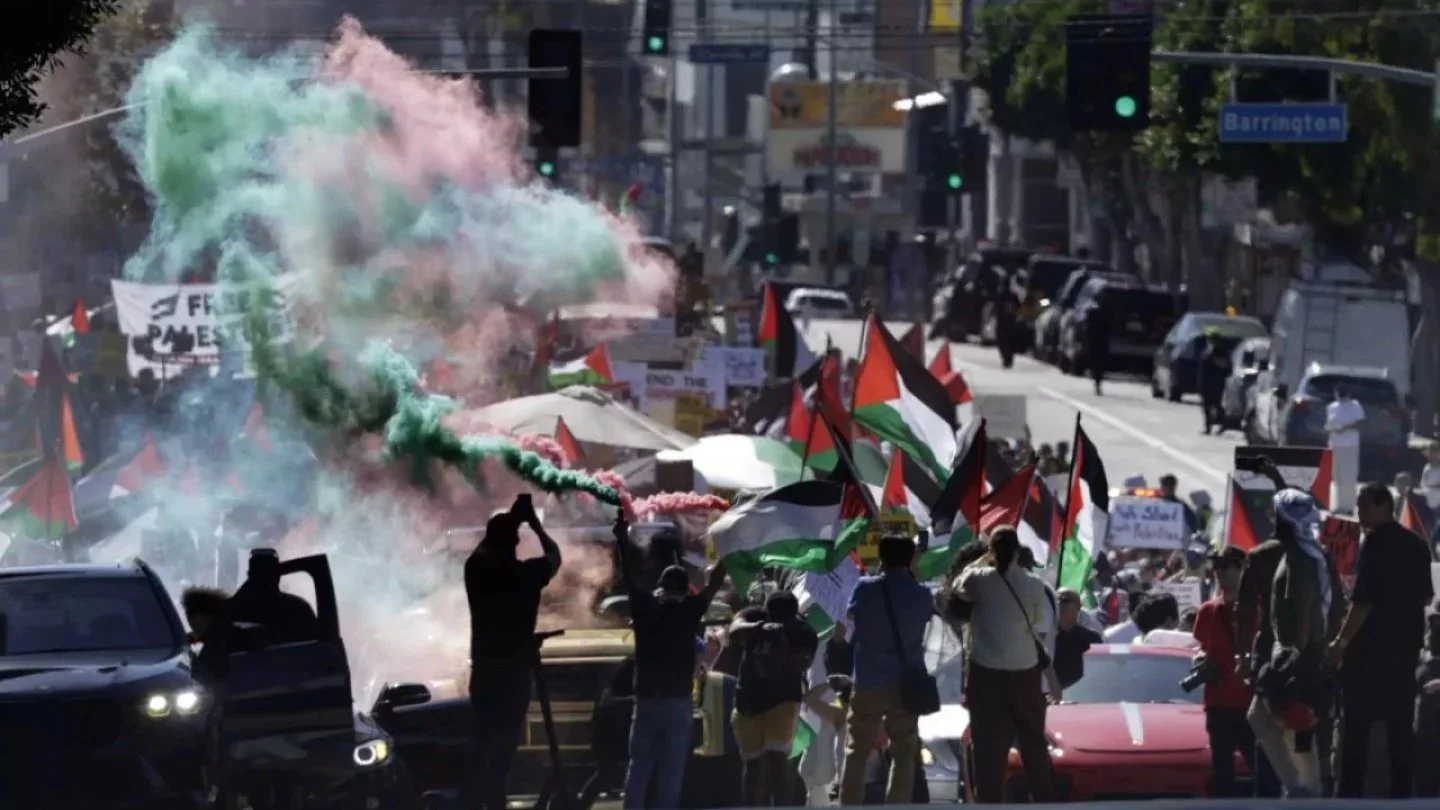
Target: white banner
(171,326)
(662,385)
(1146,523)
(744,367)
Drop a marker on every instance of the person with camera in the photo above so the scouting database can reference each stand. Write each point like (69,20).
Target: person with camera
(1227,697)
(1007,663)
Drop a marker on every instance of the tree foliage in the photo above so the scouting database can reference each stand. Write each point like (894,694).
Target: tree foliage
(40,32)
(98,81)
(1386,175)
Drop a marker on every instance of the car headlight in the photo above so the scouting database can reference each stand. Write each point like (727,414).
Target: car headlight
(185,702)
(370,754)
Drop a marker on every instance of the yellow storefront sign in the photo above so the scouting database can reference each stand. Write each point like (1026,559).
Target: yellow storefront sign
(806,105)
(893,523)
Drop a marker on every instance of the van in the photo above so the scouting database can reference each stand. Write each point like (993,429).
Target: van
(1339,324)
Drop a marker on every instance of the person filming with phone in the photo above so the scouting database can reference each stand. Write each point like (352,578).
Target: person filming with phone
(504,596)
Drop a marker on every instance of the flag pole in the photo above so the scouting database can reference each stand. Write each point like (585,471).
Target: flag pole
(1069,495)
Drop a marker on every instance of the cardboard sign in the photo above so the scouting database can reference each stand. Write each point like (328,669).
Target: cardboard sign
(171,326)
(1187,592)
(1004,415)
(743,367)
(894,523)
(1340,537)
(673,384)
(691,414)
(1146,523)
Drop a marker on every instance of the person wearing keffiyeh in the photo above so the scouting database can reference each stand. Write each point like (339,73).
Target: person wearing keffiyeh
(1288,686)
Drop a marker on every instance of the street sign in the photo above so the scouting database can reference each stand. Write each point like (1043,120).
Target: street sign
(1283,123)
(729,53)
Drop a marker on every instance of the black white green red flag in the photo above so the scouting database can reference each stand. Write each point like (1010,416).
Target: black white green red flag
(899,400)
(1087,517)
(789,354)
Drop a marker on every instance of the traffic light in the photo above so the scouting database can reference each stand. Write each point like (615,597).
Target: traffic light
(554,104)
(1107,78)
(658,14)
(547,164)
(771,212)
(974,146)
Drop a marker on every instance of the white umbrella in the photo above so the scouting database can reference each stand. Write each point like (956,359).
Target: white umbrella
(591,414)
(735,461)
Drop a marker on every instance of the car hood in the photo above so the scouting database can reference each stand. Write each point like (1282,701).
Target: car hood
(1153,728)
(81,673)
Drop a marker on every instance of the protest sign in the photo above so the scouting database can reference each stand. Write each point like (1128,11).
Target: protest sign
(1004,415)
(171,326)
(744,367)
(1146,523)
(901,523)
(830,591)
(691,414)
(1340,537)
(1187,592)
(669,385)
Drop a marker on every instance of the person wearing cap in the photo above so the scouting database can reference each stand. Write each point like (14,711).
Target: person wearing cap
(666,621)
(1227,697)
(1214,371)
(286,618)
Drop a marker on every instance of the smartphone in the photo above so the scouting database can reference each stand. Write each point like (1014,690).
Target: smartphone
(1251,464)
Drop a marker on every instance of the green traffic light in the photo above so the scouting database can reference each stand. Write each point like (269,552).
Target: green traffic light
(771,258)
(547,169)
(955,181)
(655,44)
(1125,107)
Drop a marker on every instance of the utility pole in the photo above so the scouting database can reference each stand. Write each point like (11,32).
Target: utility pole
(812,39)
(672,113)
(702,10)
(834,163)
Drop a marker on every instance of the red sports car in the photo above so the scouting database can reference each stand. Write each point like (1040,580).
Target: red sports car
(1125,731)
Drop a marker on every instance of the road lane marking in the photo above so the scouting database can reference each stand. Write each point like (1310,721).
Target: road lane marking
(1218,476)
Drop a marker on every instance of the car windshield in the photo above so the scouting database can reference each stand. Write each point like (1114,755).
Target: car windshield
(83,613)
(1046,278)
(1142,302)
(1131,678)
(1368,390)
(1231,327)
(823,302)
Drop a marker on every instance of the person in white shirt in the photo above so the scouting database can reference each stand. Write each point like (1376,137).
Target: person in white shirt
(1003,695)
(1430,476)
(1047,624)
(1342,422)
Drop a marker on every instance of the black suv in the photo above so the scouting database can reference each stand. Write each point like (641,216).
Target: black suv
(104,705)
(1140,316)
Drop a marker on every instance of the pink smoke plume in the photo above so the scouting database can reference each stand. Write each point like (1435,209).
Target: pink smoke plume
(673,503)
(543,446)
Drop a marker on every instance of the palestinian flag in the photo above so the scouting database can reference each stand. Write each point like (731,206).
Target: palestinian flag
(43,508)
(797,424)
(789,353)
(569,445)
(1324,476)
(768,412)
(1241,528)
(1006,505)
(54,415)
(954,383)
(1088,514)
(80,318)
(824,599)
(908,490)
(1040,523)
(955,512)
(806,526)
(827,395)
(914,341)
(592,369)
(899,400)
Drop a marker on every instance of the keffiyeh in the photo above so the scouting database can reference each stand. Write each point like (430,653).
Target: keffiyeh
(1298,509)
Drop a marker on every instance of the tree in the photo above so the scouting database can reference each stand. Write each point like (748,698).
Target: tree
(43,31)
(98,81)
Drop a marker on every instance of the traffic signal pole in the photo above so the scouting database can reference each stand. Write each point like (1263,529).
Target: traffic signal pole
(1276,60)
(834,167)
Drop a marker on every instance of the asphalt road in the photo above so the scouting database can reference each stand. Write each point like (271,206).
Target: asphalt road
(1135,434)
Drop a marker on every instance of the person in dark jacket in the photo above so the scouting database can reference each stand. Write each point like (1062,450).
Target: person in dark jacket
(1214,371)
(1097,344)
